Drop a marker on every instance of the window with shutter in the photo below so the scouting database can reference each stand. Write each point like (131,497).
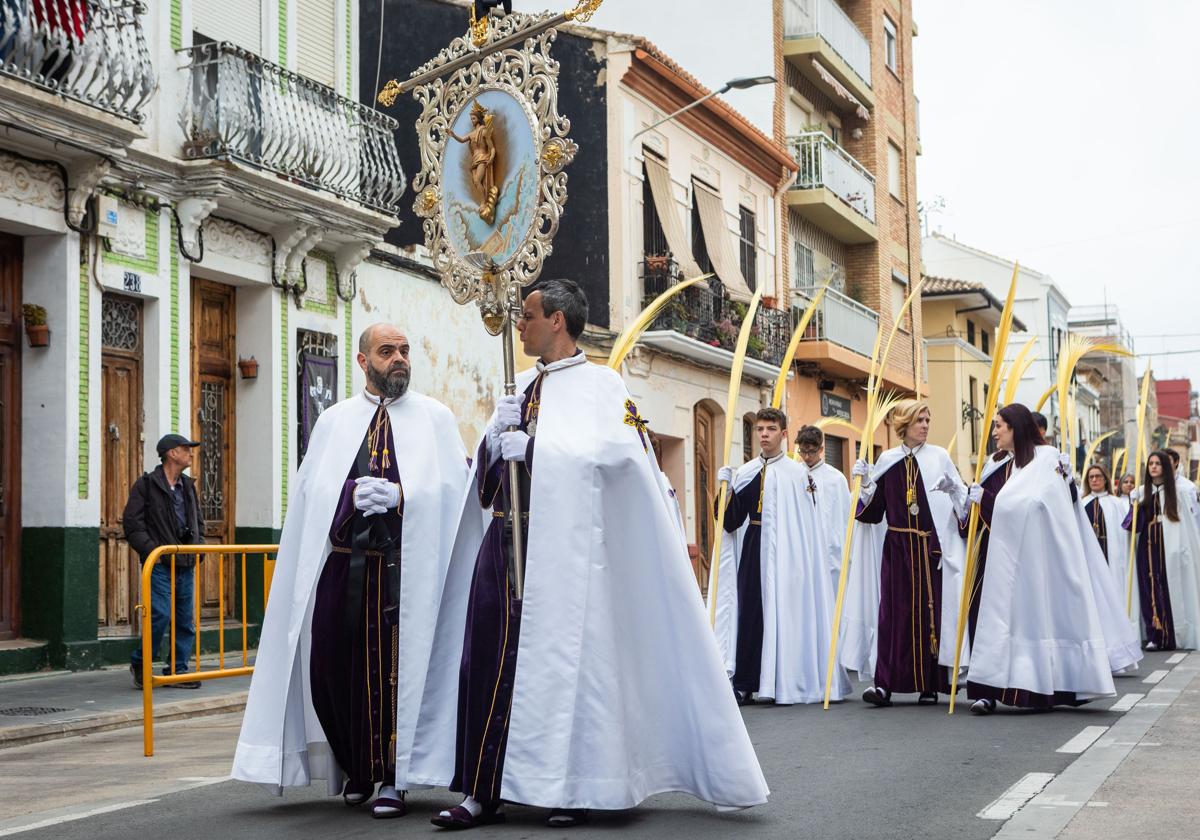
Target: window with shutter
(230,20)
(316,40)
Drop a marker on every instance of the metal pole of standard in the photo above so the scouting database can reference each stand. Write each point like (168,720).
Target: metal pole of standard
(517,558)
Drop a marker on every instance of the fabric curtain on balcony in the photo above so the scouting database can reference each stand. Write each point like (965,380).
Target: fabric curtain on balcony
(840,90)
(718,238)
(668,216)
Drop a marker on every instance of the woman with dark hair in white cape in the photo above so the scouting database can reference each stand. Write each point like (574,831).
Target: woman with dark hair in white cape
(1049,631)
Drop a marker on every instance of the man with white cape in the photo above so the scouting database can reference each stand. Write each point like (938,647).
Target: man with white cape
(603,685)
(1185,488)
(340,676)
(905,576)
(830,495)
(775,598)
(1049,631)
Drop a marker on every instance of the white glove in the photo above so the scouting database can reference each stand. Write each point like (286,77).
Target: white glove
(862,468)
(1068,464)
(375,495)
(1135,495)
(975,493)
(725,474)
(948,484)
(508,411)
(513,445)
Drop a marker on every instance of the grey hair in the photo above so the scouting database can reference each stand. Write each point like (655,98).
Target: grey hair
(567,297)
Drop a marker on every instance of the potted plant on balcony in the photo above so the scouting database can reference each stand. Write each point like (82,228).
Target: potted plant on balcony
(657,263)
(36,327)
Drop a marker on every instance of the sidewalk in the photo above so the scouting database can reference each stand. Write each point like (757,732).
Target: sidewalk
(59,704)
(1155,792)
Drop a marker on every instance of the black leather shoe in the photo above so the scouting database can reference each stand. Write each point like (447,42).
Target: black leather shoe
(877,696)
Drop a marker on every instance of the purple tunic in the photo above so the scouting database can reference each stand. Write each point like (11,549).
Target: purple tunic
(910,586)
(1154,596)
(991,486)
(746,504)
(489,657)
(353,674)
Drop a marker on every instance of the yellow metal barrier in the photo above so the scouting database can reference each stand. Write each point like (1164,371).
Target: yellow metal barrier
(149,679)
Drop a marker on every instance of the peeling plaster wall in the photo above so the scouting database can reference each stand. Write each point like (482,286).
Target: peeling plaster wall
(454,360)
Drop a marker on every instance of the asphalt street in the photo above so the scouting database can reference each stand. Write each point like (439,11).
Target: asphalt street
(853,771)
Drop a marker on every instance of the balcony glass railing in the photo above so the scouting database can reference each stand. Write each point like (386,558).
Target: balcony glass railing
(825,19)
(823,163)
(244,108)
(838,319)
(92,51)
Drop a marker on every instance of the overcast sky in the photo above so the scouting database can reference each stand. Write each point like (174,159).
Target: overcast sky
(1064,133)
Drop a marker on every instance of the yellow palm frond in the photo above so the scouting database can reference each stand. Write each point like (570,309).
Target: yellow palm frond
(1137,481)
(887,403)
(1089,459)
(630,335)
(950,445)
(826,422)
(794,344)
(1118,456)
(1016,371)
(1074,349)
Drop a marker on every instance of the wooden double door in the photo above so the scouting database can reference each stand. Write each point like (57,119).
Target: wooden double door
(10,434)
(214,361)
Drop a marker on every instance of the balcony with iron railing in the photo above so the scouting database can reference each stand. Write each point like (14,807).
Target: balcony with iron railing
(832,189)
(710,317)
(90,51)
(819,32)
(243,108)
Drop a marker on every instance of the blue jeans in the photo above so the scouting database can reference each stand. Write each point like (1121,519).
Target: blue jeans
(160,616)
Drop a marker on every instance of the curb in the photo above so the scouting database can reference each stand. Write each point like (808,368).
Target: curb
(17,736)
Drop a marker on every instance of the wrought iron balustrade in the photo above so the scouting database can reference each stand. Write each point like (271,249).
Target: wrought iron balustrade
(823,163)
(91,51)
(709,316)
(241,107)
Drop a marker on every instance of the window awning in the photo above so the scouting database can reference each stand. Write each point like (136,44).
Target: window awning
(840,90)
(718,239)
(668,216)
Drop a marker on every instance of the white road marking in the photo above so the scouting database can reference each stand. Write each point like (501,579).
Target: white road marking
(1083,740)
(1156,677)
(1011,800)
(1126,702)
(82,815)
(1176,659)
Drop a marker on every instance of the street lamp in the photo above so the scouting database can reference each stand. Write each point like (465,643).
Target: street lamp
(740,83)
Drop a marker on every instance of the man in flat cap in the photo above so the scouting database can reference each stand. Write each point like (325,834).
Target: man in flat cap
(163,509)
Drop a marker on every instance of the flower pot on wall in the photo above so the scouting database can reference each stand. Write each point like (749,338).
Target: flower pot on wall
(39,335)
(248,368)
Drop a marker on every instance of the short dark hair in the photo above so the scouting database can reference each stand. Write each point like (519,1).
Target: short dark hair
(1040,420)
(771,415)
(1173,455)
(810,436)
(567,297)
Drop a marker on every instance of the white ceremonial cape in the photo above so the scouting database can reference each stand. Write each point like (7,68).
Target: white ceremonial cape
(857,647)
(833,509)
(281,742)
(1040,628)
(671,500)
(1185,487)
(1114,510)
(619,690)
(1181,544)
(797,593)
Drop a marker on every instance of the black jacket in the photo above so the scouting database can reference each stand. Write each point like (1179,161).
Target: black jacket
(150,519)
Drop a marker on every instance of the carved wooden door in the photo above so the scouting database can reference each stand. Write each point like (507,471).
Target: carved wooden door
(121,457)
(213,363)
